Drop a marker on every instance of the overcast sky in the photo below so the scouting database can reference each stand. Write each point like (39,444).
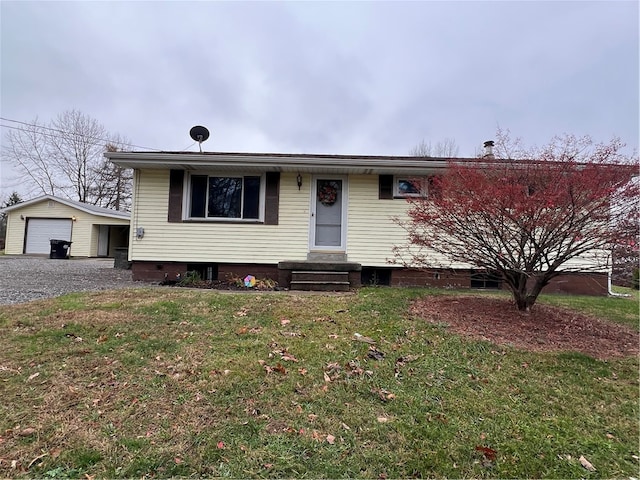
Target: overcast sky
(324,77)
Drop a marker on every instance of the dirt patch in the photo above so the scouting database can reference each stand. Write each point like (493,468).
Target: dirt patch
(545,329)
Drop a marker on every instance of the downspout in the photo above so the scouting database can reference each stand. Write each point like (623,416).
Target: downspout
(611,292)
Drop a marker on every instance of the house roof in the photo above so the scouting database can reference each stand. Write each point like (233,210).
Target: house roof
(281,162)
(85,207)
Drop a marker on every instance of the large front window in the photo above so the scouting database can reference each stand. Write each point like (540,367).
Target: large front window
(232,197)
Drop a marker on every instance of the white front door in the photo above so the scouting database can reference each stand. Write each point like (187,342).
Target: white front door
(328,213)
(103,241)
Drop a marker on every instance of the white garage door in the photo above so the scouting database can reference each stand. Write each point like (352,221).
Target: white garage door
(41,230)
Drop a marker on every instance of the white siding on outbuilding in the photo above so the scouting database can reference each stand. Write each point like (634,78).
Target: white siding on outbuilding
(33,224)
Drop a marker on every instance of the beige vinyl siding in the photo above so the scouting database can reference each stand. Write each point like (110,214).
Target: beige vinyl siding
(14,239)
(371,232)
(232,242)
(83,242)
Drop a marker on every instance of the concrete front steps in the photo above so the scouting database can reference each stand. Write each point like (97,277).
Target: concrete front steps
(313,275)
(320,281)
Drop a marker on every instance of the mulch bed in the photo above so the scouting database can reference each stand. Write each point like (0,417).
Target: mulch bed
(544,329)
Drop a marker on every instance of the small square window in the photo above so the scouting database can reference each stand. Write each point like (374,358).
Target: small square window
(411,187)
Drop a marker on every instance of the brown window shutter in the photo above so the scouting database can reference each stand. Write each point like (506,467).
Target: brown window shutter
(176,186)
(385,187)
(272,198)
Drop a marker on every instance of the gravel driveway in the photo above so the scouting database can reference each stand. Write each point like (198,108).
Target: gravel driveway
(24,278)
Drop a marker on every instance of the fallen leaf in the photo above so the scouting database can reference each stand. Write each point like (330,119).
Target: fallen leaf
(302,371)
(383,419)
(610,437)
(383,394)
(102,339)
(32,376)
(361,338)
(292,334)
(284,321)
(287,357)
(280,369)
(489,453)
(586,464)
(242,331)
(220,445)
(375,353)
(326,377)
(177,460)
(55,453)
(27,431)
(331,439)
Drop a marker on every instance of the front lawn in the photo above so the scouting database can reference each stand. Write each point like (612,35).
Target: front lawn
(177,382)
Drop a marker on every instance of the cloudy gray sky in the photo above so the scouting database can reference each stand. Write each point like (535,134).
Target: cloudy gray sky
(325,77)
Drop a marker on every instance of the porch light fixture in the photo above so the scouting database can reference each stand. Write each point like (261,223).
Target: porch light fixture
(299,181)
(21,217)
(73,218)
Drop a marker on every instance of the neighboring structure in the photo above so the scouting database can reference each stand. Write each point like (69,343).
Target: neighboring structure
(307,221)
(93,231)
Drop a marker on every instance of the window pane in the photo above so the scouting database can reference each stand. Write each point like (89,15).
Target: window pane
(198,195)
(225,197)
(251,207)
(406,187)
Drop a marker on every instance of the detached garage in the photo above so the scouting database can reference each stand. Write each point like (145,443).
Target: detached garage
(93,231)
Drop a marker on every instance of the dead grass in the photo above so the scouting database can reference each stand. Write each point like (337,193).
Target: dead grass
(160,383)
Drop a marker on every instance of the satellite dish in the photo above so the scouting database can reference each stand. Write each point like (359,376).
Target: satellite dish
(199,134)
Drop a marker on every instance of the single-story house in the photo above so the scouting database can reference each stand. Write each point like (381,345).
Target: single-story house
(93,231)
(306,221)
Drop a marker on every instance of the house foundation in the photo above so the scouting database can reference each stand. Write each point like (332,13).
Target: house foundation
(337,275)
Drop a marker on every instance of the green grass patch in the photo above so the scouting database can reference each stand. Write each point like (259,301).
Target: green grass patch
(624,310)
(197,383)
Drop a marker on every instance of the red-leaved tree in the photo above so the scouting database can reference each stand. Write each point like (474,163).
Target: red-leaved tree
(527,216)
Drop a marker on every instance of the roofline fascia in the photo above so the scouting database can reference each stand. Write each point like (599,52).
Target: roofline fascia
(42,198)
(252,161)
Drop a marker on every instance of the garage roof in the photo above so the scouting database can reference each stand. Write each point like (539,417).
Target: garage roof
(85,207)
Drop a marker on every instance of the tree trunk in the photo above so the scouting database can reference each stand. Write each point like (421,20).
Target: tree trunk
(524,297)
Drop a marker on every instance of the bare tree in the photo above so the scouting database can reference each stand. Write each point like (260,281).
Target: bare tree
(114,183)
(447,148)
(29,150)
(65,158)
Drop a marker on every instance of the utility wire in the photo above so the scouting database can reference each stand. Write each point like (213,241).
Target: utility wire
(59,133)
